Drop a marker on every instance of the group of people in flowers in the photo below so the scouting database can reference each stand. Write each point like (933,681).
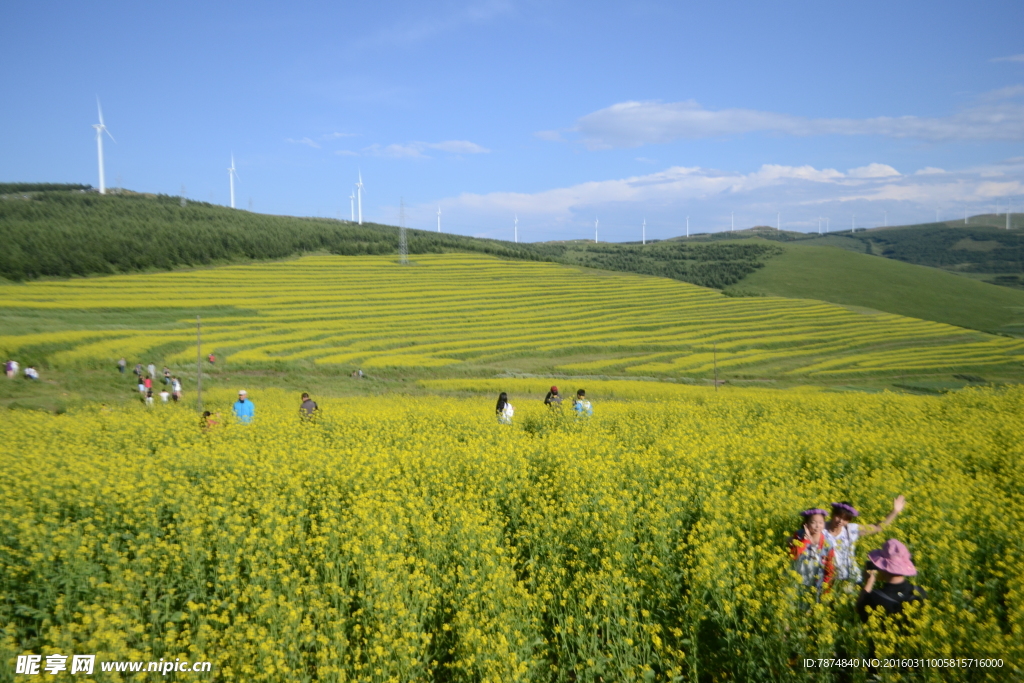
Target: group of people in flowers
(11,370)
(145,378)
(580,405)
(824,554)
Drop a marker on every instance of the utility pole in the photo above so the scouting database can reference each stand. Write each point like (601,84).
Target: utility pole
(714,356)
(199,364)
(403,244)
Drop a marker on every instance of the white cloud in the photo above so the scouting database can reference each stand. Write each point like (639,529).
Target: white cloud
(304,141)
(415,31)
(394,151)
(1011,58)
(929,170)
(632,124)
(666,197)
(455,147)
(549,135)
(335,136)
(415,150)
(873,171)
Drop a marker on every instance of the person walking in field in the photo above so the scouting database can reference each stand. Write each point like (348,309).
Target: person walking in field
(581,405)
(148,383)
(149,397)
(887,587)
(504,410)
(167,375)
(142,386)
(553,400)
(175,389)
(812,552)
(308,409)
(212,358)
(12,369)
(165,396)
(243,408)
(844,534)
(139,371)
(152,370)
(121,365)
(31,373)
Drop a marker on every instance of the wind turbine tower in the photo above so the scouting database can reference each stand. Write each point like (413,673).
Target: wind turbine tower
(643,233)
(595,231)
(352,207)
(232,174)
(359,197)
(515,229)
(439,218)
(100,130)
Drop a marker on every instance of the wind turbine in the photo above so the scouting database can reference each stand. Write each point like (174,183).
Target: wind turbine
(516,229)
(359,196)
(100,130)
(232,175)
(352,207)
(595,231)
(819,225)
(643,233)
(439,218)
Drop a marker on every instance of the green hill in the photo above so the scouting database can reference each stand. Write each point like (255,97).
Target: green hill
(55,231)
(807,271)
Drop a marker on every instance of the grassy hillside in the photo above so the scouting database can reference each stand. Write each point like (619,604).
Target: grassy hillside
(804,270)
(71,233)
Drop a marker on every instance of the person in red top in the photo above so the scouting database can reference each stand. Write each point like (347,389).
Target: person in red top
(813,552)
(148,383)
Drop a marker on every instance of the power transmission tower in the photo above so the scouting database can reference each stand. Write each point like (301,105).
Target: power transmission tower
(403,245)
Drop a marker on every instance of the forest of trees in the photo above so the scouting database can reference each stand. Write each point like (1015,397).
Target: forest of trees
(978,249)
(61,233)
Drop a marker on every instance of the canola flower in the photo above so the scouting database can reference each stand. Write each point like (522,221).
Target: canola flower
(469,313)
(419,540)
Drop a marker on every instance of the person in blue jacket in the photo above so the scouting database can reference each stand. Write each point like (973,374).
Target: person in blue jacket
(244,408)
(581,405)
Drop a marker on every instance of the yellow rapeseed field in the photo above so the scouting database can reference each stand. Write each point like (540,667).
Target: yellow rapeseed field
(473,314)
(416,539)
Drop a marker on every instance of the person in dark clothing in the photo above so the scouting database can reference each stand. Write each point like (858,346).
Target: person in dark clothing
(309,408)
(553,400)
(887,586)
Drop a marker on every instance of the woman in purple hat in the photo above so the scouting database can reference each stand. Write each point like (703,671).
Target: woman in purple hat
(812,551)
(844,534)
(892,567)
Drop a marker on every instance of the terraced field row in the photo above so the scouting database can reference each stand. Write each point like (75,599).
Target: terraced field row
(477,313)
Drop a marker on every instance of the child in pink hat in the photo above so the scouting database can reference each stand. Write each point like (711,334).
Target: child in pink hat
(891,566)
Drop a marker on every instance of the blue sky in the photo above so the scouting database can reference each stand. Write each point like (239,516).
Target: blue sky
(557,112)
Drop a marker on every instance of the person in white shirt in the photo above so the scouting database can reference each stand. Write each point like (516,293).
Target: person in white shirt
(844,534)
(165,395)
(30,373)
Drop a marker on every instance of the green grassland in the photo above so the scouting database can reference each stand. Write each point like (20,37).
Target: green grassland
(846,277)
